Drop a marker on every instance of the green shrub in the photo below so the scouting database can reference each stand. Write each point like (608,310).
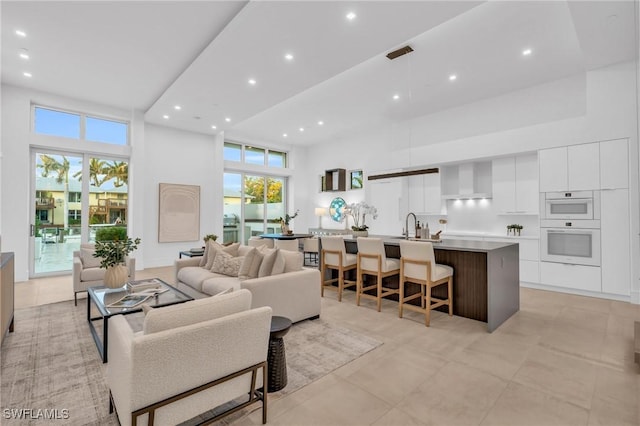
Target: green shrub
(111,233)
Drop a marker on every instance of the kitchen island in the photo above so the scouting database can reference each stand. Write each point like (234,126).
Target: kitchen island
(486,278)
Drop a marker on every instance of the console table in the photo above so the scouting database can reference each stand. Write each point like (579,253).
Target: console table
(6,293)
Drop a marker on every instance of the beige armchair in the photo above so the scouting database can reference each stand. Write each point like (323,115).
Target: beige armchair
(87,272)
(189,359)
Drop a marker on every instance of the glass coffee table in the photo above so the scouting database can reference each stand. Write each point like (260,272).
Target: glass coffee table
(100,297)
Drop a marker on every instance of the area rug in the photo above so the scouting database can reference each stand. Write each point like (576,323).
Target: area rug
(51,367)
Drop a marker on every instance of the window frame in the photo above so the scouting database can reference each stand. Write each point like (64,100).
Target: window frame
(267,151)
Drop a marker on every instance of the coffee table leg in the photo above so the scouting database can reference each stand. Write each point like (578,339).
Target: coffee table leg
(102,346)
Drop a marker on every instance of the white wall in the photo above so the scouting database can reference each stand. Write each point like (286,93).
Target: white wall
(157,154)
(600,105)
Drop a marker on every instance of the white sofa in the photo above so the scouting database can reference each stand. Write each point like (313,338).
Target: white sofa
(87,272)
(292,291)
(227,341)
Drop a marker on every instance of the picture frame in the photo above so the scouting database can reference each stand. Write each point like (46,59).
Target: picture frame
(178,213)
(356,179)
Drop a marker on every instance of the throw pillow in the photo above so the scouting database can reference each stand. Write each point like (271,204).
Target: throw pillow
(279,263)
(251,264)
(226,264)
(212,249)
(88,261)
(205,255)
(267,262)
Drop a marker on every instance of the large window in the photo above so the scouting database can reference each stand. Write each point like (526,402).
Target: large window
(254,155)
(48,121)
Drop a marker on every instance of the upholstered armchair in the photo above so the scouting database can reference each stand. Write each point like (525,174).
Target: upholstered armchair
(189,359)
(87,271)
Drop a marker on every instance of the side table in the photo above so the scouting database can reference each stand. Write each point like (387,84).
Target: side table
(276,358)
(188,253)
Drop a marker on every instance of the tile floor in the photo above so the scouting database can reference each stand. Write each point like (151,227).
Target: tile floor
(562,360)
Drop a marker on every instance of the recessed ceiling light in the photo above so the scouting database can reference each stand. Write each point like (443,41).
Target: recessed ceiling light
(320,123)
(301,129)
(214,127)
(26,74)
(453,77)
(21,33)
(351,16)
(177,107)
(252,82)
(227,119)
(284,135)
(288,57)
(396,97)
(24,54)
(166,117)
(526,52)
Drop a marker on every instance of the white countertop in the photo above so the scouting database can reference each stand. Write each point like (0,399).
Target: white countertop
(456,234)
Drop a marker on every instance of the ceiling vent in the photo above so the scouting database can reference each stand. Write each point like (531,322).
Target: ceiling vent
(399,52)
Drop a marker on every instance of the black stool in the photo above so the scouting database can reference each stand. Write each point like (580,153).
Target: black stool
(276,359)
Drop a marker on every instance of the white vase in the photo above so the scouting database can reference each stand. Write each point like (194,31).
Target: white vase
(357,234)
(285,229)
(116,276)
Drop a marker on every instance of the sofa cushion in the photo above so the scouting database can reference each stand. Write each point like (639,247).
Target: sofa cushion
(294,260)
(267,262)
(92,274)
(214,286)
(214,248)
(194,276)
(88,261)
(251,264)
(226,264)
(196,311)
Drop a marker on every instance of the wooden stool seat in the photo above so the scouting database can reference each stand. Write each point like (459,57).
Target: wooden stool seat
(372,260)
(334,256)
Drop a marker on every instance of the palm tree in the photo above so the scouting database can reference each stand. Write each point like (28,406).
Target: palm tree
(61,169)
(97,172)
(118,171)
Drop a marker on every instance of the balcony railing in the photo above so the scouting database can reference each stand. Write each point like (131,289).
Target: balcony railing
(45,202)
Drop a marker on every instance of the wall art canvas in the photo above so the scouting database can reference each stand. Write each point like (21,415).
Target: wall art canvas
(179,213)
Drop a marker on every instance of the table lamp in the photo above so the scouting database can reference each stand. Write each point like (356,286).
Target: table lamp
(320,211)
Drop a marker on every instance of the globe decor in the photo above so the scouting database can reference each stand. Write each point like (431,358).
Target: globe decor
(113,255)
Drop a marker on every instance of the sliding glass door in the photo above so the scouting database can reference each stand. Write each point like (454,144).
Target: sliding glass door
(75,196)
(251,205)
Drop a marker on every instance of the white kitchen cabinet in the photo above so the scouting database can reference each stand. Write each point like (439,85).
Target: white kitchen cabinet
(578,277)
(614,164)
(614,237)
(433,194)
(529,257)
(515,185)
(553,169)
(386,196)
(570,168)
(415,192)
(529,271)
(583,166)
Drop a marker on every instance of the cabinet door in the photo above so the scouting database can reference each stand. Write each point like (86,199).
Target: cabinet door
(584,166)
(526,187)
(385,195)
(614,237)
(553,169)
(416,193)
(614,164)
(433,194)
(529,271)
(503,173)
(578,277)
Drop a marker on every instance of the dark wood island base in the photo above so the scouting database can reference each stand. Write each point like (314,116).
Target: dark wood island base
(486,277)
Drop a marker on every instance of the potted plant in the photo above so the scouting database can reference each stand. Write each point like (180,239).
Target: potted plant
(284,222)
(360,211)
(210,237)
(113,254)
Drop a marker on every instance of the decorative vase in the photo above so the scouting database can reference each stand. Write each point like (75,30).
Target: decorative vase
(285,229)
(357,234)
(116,276)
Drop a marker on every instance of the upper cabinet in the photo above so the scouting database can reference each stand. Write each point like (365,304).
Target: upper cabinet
(599,165)
(614,164)
(424,194)
(515,185)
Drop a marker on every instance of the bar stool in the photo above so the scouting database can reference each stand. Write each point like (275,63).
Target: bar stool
(418,265)
(310,248)
(291,245)
(372,260)
(334,256)
(259,242)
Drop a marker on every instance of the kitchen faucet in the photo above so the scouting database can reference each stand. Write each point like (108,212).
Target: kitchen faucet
(406,224)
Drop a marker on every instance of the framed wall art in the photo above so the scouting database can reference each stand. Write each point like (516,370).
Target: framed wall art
(179,213)
(356,179)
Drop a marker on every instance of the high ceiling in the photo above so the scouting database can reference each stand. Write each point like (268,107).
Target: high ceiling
(201,55)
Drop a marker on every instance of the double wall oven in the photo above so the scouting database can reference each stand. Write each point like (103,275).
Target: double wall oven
(570,228)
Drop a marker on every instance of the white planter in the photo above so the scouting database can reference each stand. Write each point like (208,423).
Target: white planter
(116,276)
